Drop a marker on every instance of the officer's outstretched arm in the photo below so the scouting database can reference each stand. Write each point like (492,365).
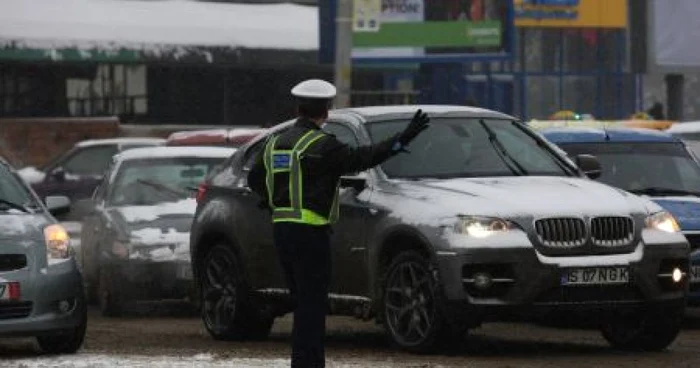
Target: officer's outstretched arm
(347,160)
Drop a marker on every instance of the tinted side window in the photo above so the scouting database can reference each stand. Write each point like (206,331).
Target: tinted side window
(90,160)
(342,132)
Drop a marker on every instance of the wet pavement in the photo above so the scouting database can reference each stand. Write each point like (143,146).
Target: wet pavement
(164,340)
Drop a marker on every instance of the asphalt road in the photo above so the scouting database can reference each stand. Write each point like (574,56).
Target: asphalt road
(167,340)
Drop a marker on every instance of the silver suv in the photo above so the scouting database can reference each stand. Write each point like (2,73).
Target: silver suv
(483,220)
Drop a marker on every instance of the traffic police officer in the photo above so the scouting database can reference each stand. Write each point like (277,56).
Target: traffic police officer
(298,174)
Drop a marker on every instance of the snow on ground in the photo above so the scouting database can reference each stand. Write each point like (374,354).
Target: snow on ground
(31,174)
(199,360)
(112,24)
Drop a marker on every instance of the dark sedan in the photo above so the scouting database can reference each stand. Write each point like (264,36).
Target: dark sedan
(77,172)
(135,243)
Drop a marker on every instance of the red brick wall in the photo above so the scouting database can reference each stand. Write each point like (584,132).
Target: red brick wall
(35,141)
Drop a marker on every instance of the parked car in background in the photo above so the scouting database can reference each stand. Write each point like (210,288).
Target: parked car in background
(481,220)
(77,172)
(234,137)
(135,243)
(41,288)
(649,163)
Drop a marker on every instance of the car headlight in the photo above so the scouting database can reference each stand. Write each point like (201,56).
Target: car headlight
(57,242)
(663,221)
(481,227)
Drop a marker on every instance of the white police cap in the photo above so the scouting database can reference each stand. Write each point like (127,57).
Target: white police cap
(314,88)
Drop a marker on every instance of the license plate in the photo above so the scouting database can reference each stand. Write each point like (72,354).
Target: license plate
(9,291)
(695,274)
(184,271)
(595,276)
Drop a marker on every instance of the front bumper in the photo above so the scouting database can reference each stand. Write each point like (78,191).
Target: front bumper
(144,280)
(38,311)
(522,279)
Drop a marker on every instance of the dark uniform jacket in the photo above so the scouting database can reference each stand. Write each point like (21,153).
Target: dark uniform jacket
(322,165)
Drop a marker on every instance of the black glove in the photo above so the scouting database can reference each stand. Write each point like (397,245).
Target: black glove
(418,124)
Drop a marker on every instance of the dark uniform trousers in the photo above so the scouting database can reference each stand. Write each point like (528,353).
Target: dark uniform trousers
(304,251)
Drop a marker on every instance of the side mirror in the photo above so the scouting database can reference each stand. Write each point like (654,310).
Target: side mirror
(590,165)
(355,182)
(58,174)
(57,205)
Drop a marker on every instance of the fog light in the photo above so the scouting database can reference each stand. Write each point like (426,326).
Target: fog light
(677,275)
(64,306)
(482,280)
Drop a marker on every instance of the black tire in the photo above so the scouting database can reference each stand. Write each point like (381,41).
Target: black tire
(410,290)
(68,342)
(227,307)
(648,329)
(110,300)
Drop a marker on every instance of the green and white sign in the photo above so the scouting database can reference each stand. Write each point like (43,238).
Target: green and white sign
(417,28)
(433,34)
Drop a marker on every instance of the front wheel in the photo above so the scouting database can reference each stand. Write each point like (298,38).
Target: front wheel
(413,315)
(227,310)
(649,329)
(67,342)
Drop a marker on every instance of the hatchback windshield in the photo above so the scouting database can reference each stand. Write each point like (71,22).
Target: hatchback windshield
(461,147)
(152,181)
(644,168)
(12,191)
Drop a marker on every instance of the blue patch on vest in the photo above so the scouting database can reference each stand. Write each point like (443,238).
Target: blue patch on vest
(281,160)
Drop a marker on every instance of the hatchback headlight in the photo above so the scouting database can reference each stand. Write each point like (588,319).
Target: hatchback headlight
(663,221)
(481,227)
(57,242)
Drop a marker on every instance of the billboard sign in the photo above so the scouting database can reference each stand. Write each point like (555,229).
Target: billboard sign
(673,35)
(431,30)
(571,13)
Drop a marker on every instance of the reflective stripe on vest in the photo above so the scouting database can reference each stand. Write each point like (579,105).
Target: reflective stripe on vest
(277,161)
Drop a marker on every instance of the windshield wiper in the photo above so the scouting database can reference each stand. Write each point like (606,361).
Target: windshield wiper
(663,191)
(507,159)
(14,205)
(157,185)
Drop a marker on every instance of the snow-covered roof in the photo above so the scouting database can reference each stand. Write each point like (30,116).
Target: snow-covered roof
(156,25)
(685,127)
(189,151)
(98,142)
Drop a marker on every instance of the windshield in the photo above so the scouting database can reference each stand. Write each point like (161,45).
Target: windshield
(152,181)
(644,168)
(462,147)
(12,192)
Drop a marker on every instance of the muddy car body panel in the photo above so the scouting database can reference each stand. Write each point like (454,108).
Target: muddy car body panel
(135,243)
(482,215)
(41,287)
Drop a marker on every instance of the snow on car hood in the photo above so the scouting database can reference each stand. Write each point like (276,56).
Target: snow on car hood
(22,227)
(31,175)
(157,233)
(134,214)
(430,202)
(685,209)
